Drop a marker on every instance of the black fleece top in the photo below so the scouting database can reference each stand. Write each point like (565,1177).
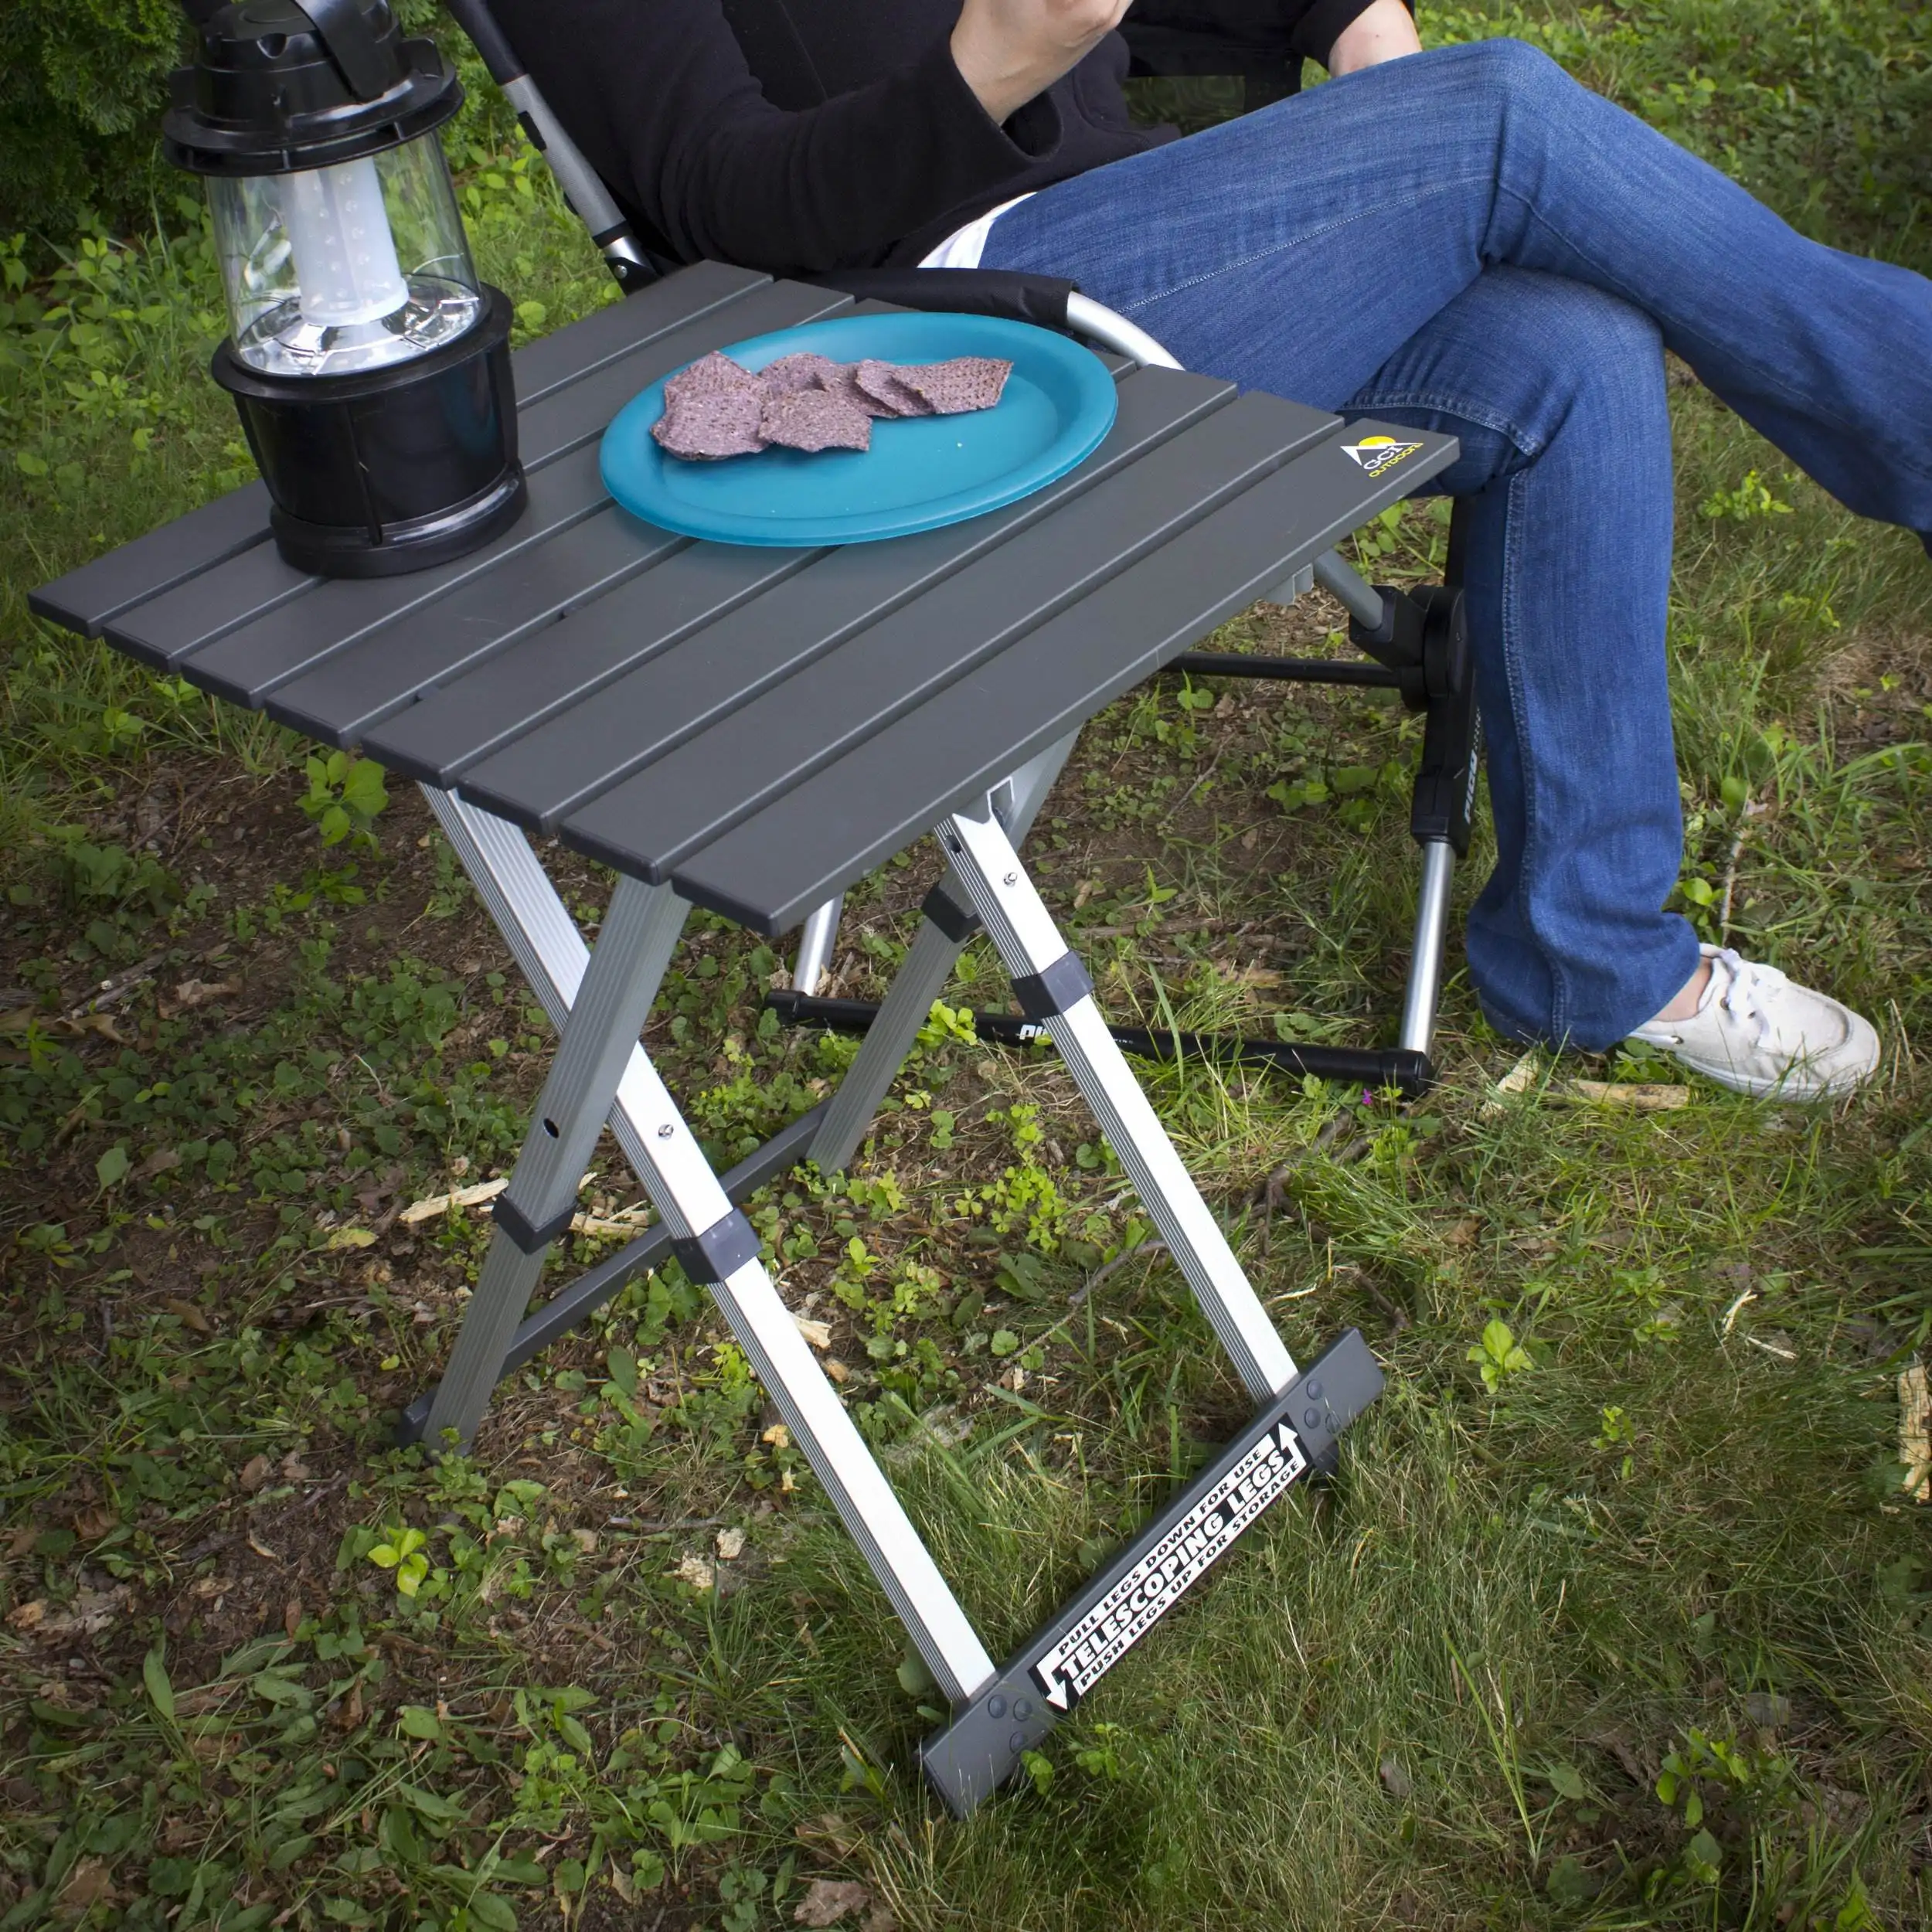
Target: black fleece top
(806,134)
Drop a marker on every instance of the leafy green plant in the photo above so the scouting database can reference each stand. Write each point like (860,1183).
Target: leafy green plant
(1498,1355)
(345,794)
(401,1550)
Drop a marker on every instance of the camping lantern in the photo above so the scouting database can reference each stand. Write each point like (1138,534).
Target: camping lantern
(370,366)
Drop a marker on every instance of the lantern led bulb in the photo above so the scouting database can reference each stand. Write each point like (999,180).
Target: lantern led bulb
(345,264)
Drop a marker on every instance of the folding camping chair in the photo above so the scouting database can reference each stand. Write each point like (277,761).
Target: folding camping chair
(1415,638)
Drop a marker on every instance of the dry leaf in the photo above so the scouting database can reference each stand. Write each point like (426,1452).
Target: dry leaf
(91,1524)
(427,1210)
(87,1884)
(163,1160)
(817,1333)
(696,1572)
(255,1472)
(91,1612)
(189,1314)
(778,1436)
(1622,1094)
(294,1468)
(292,1617)
(586,1540)
(349,1238)
(262,1550)
(731,1543)
(192,993)
(1915,1433)
(829,1901)
(834,1368)
(831,1833)
(880,1919)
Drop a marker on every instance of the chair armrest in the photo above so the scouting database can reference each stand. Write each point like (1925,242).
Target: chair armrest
(973,291)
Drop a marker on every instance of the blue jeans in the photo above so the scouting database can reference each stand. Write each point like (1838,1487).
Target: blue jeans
(1467,240)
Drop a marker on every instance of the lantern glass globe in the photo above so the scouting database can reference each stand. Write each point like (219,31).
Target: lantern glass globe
(341,270)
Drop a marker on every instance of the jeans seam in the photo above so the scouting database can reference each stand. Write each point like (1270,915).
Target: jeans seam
(1282,248)
(1512,661)
(1440,404)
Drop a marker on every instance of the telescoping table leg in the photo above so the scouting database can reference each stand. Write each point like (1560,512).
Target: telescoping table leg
(1054,988)
(712,1240)
(948,924)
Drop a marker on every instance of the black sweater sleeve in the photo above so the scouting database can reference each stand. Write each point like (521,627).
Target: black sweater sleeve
(659,93)
(879,148)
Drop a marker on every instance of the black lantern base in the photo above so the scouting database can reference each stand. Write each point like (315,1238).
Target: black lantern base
(395,470)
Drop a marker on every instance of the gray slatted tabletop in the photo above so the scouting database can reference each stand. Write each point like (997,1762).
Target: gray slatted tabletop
(757,727)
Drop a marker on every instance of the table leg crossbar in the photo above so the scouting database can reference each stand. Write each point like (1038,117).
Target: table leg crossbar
(599,999)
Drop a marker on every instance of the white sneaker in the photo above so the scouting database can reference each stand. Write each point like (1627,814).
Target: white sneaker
(1756,1032)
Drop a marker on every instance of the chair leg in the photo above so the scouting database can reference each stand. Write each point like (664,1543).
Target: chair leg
(1424,988)
(819,934)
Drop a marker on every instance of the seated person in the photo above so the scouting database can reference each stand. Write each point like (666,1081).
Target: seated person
(1464,240)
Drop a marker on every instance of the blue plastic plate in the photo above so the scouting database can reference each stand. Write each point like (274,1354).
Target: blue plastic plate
(919,474)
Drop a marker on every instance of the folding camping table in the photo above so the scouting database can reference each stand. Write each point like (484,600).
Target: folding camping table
(753,730)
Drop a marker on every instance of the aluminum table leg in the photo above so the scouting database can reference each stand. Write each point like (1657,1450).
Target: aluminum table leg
(922,978)
(634,947)
(670,1163)
(1053,987)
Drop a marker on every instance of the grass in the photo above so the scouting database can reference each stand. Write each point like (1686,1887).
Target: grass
(1632,1630)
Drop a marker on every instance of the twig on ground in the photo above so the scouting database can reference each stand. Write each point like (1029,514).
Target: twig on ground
(1141,1251)
(1915,1433)
(1752,809)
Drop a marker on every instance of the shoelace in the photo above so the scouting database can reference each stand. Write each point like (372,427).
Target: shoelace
(1754,991)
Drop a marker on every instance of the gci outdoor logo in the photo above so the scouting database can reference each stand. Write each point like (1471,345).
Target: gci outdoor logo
(1152,1588)
(1377,453)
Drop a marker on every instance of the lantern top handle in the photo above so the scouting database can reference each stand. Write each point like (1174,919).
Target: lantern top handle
(278,85)
(343,29)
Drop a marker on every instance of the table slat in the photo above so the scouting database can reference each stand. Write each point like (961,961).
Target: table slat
(245,666)
(137,572)
(764,748)
(549,769)
(692,586)
(85,600)
(219,601)
(770,870)
(354,690)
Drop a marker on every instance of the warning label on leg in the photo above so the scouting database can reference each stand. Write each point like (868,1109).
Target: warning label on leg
(1138,1602)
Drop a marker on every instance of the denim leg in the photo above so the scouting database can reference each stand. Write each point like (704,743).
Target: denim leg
(1556,392)
(1297,248)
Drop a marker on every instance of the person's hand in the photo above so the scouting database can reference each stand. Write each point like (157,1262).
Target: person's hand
(1384,30)
(1010,50)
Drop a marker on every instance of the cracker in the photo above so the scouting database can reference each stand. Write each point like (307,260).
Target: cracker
(807,370)
(880,381)
(712,375)
(958,388)
(710,425)
(812,420)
